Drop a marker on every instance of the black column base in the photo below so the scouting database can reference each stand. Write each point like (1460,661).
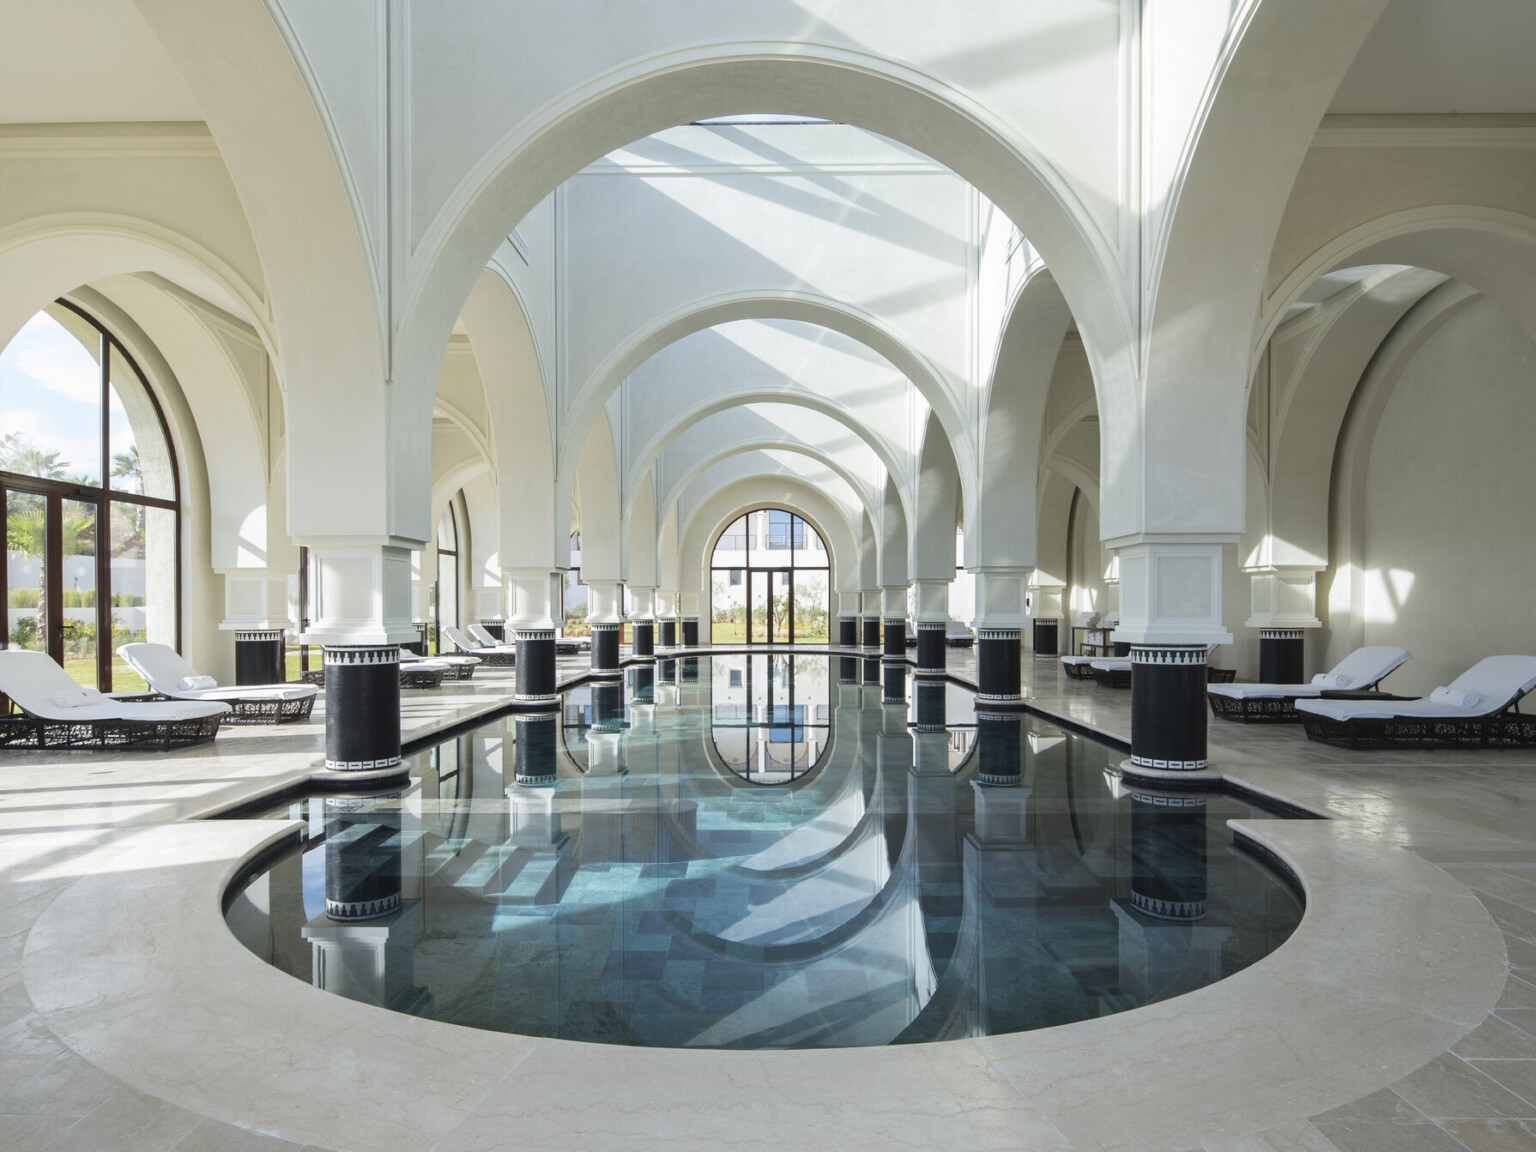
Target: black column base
(605,649)
(362,707)
(931,653)
(999,668)
(848,670)
(928,704)
(496,628)
(847,632)
(1282,659)
(1168,707)
(667,670)
(688,673)
(895,639)
(893,684)
(642,683)
(259,658)
(1168,856)
(669,633)
(871,670)
(871,632)
(644,647)
(1045,638)
(363,856)
(535,688)
(690,632)
(534,756)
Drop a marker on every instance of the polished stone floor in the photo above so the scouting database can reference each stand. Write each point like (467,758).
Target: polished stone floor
(1402,1015)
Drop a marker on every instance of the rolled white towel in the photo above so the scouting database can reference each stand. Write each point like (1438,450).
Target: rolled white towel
(1455,696)
(1338,682)
(75,697)
(196,683)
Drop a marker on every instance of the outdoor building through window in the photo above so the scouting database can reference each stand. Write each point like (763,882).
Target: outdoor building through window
(92,504)
(769,582)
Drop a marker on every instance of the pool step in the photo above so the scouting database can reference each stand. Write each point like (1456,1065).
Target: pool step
(450,859)
(510,874)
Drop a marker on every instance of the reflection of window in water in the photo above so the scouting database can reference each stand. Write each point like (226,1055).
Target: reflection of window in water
(769,726)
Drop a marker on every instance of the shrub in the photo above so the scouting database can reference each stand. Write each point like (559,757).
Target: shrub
(23,598)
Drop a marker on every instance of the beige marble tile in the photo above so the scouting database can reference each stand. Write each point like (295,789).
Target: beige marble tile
(128,1121)
(1496,1039)
(1449,1087)
(1298,1137)
(31,1133)
(214,1136)
(1494,1135)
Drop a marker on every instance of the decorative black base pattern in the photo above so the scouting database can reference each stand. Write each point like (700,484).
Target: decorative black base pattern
(644,647)
(605,649)
(871,632)
(1282,659)
(847,632)
(258,658)
(895,638)
(1045,638)
(1168,720)
(362,708)
(931,652)
(999,666)
(536,666)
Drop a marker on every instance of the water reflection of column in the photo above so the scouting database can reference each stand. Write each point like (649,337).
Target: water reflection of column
(362,856)
(1168,866)
(894,685)
(1165,949)
(930,738)
(363,947)
(534,755)
(604,738)
(999,749)
(642,683)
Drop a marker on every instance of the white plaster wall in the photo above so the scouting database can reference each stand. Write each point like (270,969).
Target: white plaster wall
(1448,512)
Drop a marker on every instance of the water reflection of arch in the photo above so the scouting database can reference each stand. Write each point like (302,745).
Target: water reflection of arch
(739,717)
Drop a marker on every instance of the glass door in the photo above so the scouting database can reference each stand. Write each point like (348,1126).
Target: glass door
(759,606)
(781,606)
(51,577)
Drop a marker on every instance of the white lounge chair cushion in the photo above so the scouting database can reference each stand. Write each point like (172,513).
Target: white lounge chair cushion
(253,692)
(457,661)
(1494,681)
(1360,669)
(1079,661)
(1111,664)
(195,683)
(32,679)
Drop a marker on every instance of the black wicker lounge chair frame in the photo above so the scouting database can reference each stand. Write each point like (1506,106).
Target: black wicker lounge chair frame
(1508,729)
(1281,709)
(1082,671)
(25,731)
(409,677)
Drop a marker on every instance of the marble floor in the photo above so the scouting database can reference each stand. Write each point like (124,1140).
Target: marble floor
(1401,1015)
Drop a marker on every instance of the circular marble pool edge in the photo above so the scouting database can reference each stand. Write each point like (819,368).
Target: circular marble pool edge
(133,967)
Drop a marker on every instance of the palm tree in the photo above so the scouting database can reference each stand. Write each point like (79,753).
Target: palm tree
(26,528)
(18,454)
(127,466)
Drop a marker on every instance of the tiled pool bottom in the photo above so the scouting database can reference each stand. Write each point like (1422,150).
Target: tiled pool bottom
(765,852)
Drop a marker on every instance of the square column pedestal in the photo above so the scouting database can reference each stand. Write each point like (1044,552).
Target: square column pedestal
(1170,602)
(531,597)
(932,626)
(362,606)
(256,611)
(1000,617)
(1045,606)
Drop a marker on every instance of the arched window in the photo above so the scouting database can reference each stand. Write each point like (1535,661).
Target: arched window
(769,582)
(92,499)
(448,551)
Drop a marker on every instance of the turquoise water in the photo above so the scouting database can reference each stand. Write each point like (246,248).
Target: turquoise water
(766,851)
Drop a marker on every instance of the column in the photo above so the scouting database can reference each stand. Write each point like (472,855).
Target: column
(689,603)
(666,618)
(362,604)
(603,614)
(256,611)
(1284,604)
(871,617)
(488,615)
(895,604)
(932,626)
(1111,614)
(644,623)
(1170,598)
(847,620)
(1000,615)
(1000,749)
(534,757)
(531,593)
(1045,606)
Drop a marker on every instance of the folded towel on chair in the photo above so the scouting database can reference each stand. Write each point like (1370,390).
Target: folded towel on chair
(1457,696)
(76,697)
(196,683)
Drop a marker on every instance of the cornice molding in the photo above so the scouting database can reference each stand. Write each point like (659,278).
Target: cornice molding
(164,138)
(1450,131)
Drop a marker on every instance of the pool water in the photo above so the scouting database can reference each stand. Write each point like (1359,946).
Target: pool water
(764,851)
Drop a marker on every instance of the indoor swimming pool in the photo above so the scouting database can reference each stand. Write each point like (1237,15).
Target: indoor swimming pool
(763,851)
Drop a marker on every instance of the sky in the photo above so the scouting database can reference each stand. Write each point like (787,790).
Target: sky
(50,392)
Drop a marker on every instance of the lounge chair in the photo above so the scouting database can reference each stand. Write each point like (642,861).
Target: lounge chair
(576,645)
(163,668)
(1361,671)
(1115,671)
(415,671)
(957,635)
(496,655)
(1479,708)
(456,666)
(58,713)
(1081,667)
